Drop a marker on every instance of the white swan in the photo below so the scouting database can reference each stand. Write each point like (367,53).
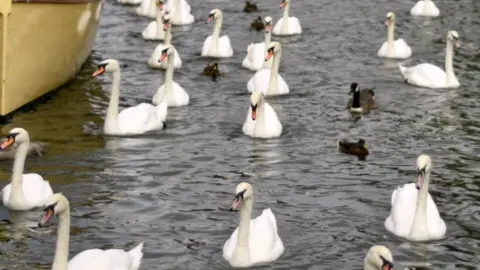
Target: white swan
(170,92)
(214,45)
(261,121)
(129,2)
(255,59)
(287,25)
(147,9)
(25,191)
(430,76)
(180,10)
(390,48)
(254,241)
(268,81)
(110,259)
(378,258)
(133,120)
(154,30)
(153,60)
(414,215)
(425,8)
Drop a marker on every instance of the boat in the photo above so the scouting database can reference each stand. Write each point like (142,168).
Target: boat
(43,45)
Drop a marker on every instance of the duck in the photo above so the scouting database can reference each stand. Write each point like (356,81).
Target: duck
(153,60)
(378,258)
(268,81)
(255,58)
(170,92)
(254,241)
(212,70)
(257,24)
(354,148)
(262,120)
(250,7)
(430,76)
(35,149)
(25,191)
(425,8)
(287,26)
(109,259)
(393,48)
(363,100)
(154,30)
(138,119)
(129,2)
(214,45)
(414,215)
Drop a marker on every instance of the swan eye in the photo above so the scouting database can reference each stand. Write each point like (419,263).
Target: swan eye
(240,194)
(50,207)
(386,265)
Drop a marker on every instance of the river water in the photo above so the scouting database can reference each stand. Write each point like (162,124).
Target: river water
(172,189)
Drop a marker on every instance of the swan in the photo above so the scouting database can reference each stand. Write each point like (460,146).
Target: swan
(425,8)
(154,30)
(378,258)
(147,9)
(414,215)
(214,45)
(390,48)
(153,60)
(254,241)
(268,81)
(133,120)
(255,59)
(25,191)
(430,76)
(261,121)
(170,92)
(180,12)
(287,25)
(110,259)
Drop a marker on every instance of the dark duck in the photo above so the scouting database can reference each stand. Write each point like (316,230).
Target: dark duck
(363,100)
(212,71)
(250,7)
(354,148)
(257,24)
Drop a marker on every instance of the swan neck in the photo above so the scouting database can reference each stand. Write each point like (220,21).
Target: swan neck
(217,28)
(390,34)
(260,114)
(273,84)
(169,73)
(63,237)
(168,35)
(112,111)
(285,18)
(244,227)
(18,167)
(159,20)
(420,218)
(449,61)
(268,38)
(356,99)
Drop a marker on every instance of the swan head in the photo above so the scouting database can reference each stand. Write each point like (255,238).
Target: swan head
(214,14)
(109,65)
(166,20)
(268,24)
(424,165)
(379,257)
(284,3)
(15,136)
(56,204)
(159,4)
(274,48)
(243,192)
(256,98)
(390,18)
(452,36)
(167,50)
(354,88)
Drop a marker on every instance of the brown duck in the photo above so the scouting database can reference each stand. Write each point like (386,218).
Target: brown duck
(257,24)
(212,70)
(363,100)
(250,7)
(355,148)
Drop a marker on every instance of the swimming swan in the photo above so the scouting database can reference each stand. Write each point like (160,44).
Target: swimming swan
(390,48)
(153,60)
(255,59)
(287,25)
(214,45)
(425,8)
(378,258)
(261,121)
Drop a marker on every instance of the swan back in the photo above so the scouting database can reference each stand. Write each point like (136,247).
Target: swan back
(378,257)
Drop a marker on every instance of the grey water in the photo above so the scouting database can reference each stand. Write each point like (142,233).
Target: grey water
(172,189)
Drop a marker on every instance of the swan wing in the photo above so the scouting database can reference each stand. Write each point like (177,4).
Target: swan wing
(177,61)
(264,243)
(111,259)
(273,125)
(383,50)
(206,45)
(277,27)
(294,26)
(225,47)
(180,96)
(431,10)
(417,9)
(35,189)
(150,31)
(402,50)
(259,81)
(404,201)
(426,75)
(249,124)
(139,119)
(282,85)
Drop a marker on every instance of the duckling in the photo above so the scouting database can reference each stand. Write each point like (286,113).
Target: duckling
(212,70)
(355,148)
(250,7)
(363,100)
(35,149)
(257,24)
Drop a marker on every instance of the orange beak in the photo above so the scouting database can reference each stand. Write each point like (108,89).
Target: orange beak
(386,267)
(99,71)
(210,18)
(165,26)
(268,55)
(268,27)
(160,5)
(254,113)
(162,57)
(283,4)
(387,21)
(7,143)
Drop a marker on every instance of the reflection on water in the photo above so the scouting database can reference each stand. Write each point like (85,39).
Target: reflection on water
(172,188)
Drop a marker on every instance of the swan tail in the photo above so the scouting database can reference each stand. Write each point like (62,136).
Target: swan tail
(403,69)
(137,256)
